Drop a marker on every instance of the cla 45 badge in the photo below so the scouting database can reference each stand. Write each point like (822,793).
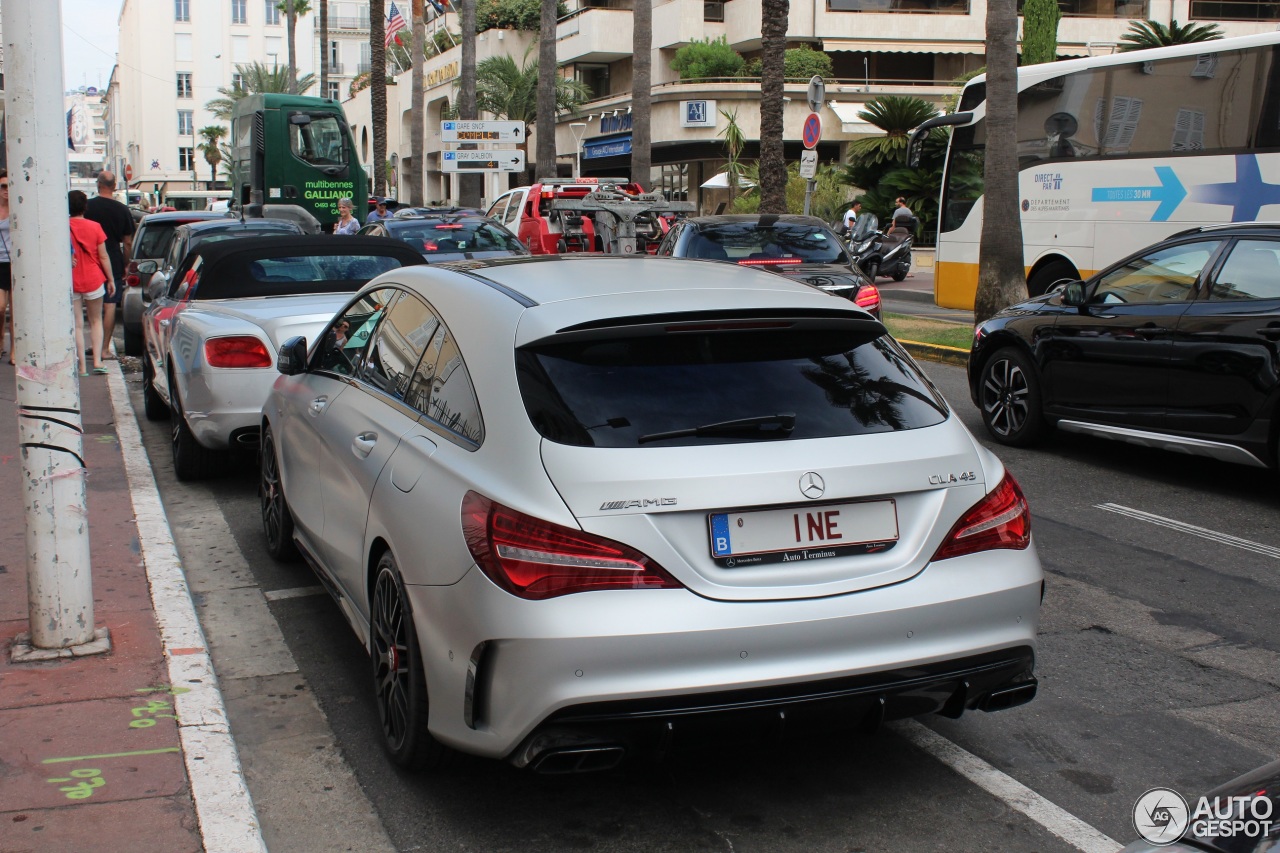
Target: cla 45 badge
(945,479)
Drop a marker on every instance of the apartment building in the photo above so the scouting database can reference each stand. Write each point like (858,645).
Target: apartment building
(877,47)
(173,57)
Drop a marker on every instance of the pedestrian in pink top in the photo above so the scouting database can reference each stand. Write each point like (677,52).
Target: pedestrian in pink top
(90,281)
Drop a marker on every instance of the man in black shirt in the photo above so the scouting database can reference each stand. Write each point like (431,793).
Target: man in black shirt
(117,222)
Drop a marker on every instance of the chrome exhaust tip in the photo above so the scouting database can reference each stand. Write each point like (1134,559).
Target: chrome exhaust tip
(587,759)
(1009,697)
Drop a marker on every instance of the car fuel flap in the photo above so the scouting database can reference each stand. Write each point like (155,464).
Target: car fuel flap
(778,519)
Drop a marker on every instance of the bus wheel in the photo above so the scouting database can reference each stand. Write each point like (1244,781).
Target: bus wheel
(1053,273)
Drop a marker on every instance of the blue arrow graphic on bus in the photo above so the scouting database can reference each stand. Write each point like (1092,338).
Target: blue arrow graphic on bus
(1170,193)
(1246,195)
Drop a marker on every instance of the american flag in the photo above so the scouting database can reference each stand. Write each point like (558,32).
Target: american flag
(395,23)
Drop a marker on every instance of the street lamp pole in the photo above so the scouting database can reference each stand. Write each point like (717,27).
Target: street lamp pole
(579,128)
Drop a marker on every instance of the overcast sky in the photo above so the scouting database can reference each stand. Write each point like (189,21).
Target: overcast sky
(90,32)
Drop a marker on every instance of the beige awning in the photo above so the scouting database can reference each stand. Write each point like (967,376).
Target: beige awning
(849,121)
(904,46)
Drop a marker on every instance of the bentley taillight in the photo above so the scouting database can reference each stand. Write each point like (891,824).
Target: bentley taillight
(236,351)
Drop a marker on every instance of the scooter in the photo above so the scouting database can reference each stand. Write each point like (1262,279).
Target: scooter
(886,253)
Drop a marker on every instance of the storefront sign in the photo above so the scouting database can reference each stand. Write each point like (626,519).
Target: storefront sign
(697,113)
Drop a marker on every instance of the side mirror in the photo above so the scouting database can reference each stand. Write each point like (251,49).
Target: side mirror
(155,288)
(147,267)
(299,118)
(1074,294)
(292,359)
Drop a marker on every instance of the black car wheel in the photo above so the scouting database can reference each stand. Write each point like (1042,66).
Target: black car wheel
(399,684)
(153,405)
(1010,398)
(191,459)
(277,521)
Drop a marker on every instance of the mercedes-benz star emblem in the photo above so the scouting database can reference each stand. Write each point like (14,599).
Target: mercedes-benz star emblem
(811,486)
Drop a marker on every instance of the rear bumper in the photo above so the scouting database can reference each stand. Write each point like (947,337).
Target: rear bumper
(223,408)
(501,671)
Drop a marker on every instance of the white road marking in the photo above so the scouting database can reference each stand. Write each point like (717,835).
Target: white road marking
(1202,532)
(228,821)
(296,592)
(1013,793)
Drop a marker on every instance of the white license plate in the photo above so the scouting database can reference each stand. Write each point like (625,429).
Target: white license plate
(799,533)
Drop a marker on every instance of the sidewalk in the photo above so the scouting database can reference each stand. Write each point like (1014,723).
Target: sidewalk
(127,750)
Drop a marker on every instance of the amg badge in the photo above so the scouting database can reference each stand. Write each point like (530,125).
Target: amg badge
(638,504)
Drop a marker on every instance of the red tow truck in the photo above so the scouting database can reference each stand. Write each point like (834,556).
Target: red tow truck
(610,215)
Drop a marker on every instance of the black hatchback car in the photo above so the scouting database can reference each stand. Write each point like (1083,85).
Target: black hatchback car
(1173,347)
(800,247)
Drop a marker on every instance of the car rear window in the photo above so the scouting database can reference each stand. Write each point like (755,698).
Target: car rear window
(154,241)
(747,242)
(237,278)
(628,391)
(451,237)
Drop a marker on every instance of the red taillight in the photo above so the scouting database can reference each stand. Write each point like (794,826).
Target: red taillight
(535,559)
(133,281)
(999,520)
(769,262)
(239,351)
(868,297)
(448,227)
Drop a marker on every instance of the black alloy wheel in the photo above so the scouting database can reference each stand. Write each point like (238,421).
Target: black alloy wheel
(1050,276)
(1010,398)
(399,682)
(277,521)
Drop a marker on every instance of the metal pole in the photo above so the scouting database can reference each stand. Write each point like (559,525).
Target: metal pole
(809,187)
(59,580)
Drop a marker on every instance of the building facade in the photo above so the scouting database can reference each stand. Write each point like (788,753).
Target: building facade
(174,56)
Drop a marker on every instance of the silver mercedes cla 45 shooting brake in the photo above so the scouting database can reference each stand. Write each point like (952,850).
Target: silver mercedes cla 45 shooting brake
(582,506)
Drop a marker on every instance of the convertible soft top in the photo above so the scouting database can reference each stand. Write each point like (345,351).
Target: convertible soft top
(293,265)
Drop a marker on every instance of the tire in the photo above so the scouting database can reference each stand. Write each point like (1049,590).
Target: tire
(132,341)
(901,271)
(1009,397)
(1044,279)
(153,405)
(277,521)
(399,683)
(191,459)
(873,270)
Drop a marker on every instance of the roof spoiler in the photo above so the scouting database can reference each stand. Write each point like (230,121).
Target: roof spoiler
(915,145)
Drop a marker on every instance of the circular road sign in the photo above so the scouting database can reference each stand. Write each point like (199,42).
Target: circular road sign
(812,130)
(128,172)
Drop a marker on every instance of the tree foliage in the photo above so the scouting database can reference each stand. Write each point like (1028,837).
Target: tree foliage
(897,116)
(1040,31)
(798,63)
(829,197)
(704,58)
(1145,34)
(513,14)
(210,148)
(256,78)
(510,92)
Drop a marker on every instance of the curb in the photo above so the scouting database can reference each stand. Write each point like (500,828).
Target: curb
(935,352)
(224,810)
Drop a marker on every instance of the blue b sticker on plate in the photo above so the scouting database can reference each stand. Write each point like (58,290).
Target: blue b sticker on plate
(720,544)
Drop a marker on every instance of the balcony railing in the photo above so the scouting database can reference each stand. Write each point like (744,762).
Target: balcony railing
(336,68)
(363,67)
(348,22)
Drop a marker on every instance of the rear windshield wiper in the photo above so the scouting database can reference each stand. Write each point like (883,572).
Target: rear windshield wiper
(768,426)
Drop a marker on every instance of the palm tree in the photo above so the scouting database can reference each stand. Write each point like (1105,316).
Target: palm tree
(256,78)
(294,9)
(1001,277)
(417,129)
(469,186)
(773,44)
(378,91)
(641,91)
(897,116)
(546,97)
(1145,34)
(734,140)
(211,149)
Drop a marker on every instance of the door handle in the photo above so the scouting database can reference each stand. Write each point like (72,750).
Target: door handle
(362,444)
(1271,333)
(1150,331)
(318,404)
